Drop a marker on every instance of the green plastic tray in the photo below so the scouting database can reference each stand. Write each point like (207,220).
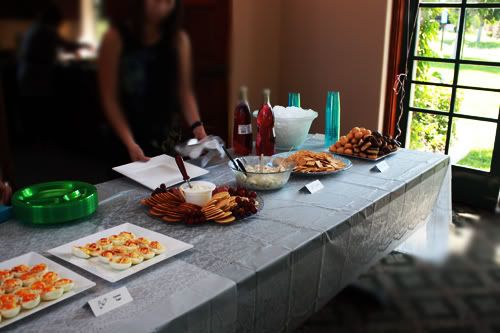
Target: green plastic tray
(55,202)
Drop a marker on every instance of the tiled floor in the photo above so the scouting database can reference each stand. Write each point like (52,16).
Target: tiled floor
(403,294)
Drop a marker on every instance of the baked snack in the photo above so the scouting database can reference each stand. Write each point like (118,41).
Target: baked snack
(362,142)
(312,162)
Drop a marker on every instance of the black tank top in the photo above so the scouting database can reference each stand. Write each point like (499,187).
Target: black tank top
(148,90)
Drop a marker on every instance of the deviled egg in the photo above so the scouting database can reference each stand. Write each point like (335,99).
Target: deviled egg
(105,244)
(106,256)
(20,270)
(38,287)
(142,241)
(29,278)
(117,240)
(12,285)
(65,284)
(50,277)
(39,269)
(81,252)
(157,247)
(130,245)
(146,253)
(29,300)
(127,235)
(4,275)
(136,257)
(120,263)
(10,307)
(94,249)
(51,293)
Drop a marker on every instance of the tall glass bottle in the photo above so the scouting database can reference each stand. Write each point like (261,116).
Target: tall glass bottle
(242,130)
(266,137)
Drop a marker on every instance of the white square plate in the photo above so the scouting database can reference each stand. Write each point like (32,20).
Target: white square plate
(104,271)
(161,169)
(31,259)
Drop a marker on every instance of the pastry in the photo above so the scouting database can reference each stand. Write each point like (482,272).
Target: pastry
(364,143)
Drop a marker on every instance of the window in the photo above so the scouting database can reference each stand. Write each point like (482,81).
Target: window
(454,87)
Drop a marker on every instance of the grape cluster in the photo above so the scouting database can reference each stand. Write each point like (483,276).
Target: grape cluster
(244,207)
(158,190)
(242,192)
(194,217)
(219,189)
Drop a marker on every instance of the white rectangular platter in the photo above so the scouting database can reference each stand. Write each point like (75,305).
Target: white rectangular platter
(104,271)
(161,169)
(31,259)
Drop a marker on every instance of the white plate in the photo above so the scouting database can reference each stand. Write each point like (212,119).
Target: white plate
(104,271)
(161,169)
(31,259)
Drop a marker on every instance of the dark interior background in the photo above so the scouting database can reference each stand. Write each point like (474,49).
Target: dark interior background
(79,146)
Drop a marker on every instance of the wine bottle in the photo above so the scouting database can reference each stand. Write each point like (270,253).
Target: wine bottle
(242,130)
(266,138)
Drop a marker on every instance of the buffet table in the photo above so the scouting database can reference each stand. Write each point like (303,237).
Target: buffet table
(268,273)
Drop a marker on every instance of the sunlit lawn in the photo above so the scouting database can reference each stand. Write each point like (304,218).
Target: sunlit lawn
(479,159)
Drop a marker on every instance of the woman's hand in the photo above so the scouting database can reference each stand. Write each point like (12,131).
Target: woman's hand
(199,132)
(136,154)
(5,193)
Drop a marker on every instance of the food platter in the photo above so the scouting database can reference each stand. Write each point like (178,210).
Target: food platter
(32,259)
(347,164)
(225,205)
(368,159)
(103,270)
(365,144)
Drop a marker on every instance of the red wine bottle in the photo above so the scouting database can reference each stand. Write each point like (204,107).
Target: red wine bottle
(242,130)
(266,137)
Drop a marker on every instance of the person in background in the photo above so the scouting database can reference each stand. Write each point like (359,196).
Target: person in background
(145,79)
(5,193)
(38,57)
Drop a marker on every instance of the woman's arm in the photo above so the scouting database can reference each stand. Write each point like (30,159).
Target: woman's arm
(109,55)
(186,94)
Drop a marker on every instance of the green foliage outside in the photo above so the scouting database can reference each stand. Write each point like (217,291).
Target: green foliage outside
(428,132)
(479,159)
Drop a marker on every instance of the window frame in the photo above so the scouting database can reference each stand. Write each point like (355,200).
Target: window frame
(415,6)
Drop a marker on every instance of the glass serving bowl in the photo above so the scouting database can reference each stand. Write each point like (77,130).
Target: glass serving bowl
(259,175)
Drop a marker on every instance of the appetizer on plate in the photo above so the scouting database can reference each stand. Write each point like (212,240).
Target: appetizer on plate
(23,288)
(364,143)
(120,251)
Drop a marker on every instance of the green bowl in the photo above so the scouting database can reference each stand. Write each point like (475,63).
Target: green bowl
(55,202)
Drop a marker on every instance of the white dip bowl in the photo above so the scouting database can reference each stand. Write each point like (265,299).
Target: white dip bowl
(199,194)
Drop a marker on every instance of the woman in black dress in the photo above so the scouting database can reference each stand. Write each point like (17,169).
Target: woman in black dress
(145,79)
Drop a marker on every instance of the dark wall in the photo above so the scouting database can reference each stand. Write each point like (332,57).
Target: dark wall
(28,9)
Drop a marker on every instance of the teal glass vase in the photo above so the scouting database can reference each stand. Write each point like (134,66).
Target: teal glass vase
(332,118)
(294,99)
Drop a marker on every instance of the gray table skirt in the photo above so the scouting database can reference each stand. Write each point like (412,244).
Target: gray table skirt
(268,273)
